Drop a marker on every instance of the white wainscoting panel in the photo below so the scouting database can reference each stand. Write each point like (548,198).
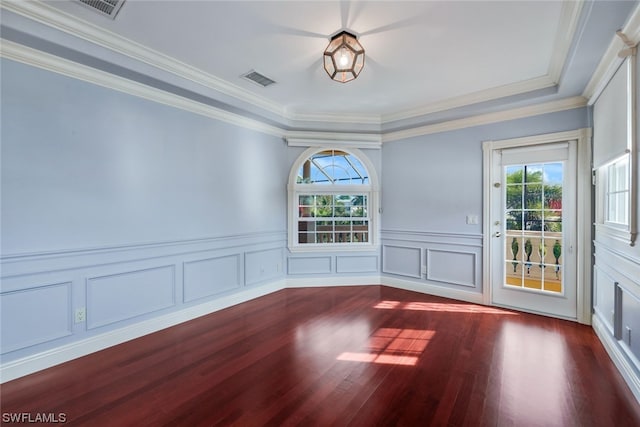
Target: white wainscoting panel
(309,265)
(117,297)
(455,267)
(357,264)
(263,265)
(206,277)
(402,260)
(446,264)
(43,314)
(630,324)
(604,291)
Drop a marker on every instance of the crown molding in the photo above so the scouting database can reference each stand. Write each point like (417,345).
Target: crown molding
(36,58)
(472,98)
(40,12)
(46,61)
(371,119)
(489,118)
(62,21)
(333,139)
(610,60)
(569,19)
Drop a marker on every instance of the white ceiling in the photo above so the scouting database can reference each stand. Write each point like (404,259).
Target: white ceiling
(421,56)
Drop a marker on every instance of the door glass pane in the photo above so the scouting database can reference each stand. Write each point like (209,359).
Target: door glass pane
(533,225)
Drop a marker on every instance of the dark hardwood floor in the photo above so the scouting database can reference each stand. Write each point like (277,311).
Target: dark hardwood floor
(360,356)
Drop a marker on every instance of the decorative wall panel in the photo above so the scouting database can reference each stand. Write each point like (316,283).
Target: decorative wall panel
(356,264)
(207,277)
(309,265)
(458,268)
(39,314)
(263,265)
(401,260)
(117,297)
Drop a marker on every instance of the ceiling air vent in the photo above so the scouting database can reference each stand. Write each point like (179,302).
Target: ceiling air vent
(105,7)
(258,78)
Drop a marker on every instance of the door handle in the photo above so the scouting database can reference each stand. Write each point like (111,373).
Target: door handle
(497,234)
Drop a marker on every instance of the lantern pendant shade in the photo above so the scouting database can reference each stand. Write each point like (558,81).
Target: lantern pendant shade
(344,57)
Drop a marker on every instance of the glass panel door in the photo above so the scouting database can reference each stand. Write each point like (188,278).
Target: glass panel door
(533,219)
(533,216)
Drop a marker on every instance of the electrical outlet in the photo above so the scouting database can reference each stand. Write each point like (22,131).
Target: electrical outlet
(81,315)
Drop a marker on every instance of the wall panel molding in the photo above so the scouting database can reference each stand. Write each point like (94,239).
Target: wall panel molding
(126,295)
(210,276)
(263,265)
(356,264)
(46,310)
(301,265)
(447,266)
(402,260)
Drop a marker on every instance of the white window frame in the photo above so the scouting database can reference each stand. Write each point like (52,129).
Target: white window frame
(295,189)
(620,187)
(621,231)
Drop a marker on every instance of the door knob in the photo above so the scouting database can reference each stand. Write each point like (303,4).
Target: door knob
(497,234)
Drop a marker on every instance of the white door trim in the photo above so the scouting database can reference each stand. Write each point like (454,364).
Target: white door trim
(584,217)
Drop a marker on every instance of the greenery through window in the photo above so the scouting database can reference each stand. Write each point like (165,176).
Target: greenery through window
(534,197)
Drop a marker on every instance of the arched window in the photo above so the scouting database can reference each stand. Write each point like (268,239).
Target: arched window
(332,200)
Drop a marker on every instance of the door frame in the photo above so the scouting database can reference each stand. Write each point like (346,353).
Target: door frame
(584,214)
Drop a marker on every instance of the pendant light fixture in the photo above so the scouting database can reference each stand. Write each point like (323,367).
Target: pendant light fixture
(344,57)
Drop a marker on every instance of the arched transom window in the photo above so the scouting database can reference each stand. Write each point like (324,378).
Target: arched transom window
(331,200)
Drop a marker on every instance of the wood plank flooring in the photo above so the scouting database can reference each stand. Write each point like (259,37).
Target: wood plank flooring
(343,356)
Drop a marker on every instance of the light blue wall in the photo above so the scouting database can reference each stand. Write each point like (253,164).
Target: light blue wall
(126,207)
(84,166)
(431,183)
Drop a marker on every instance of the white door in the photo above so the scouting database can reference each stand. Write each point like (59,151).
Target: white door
(533,228)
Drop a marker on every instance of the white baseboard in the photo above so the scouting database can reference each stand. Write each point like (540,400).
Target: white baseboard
(426,288)
(314,282)
(617,356)
(65,353)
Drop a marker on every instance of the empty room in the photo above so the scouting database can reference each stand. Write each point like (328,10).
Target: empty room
(319,213)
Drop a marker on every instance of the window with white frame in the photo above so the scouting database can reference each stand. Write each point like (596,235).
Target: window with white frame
(617,192)
(331,201)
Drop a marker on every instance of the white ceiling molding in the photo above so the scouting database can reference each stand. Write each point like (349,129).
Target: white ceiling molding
(610,60)
(373,119)
(333,139)
(59,20)
(473,98)
(485,119)
(567,27)
(36,58)
(564,37)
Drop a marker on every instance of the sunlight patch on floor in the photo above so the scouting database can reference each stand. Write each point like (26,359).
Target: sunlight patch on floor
(436,306)
(392,346)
